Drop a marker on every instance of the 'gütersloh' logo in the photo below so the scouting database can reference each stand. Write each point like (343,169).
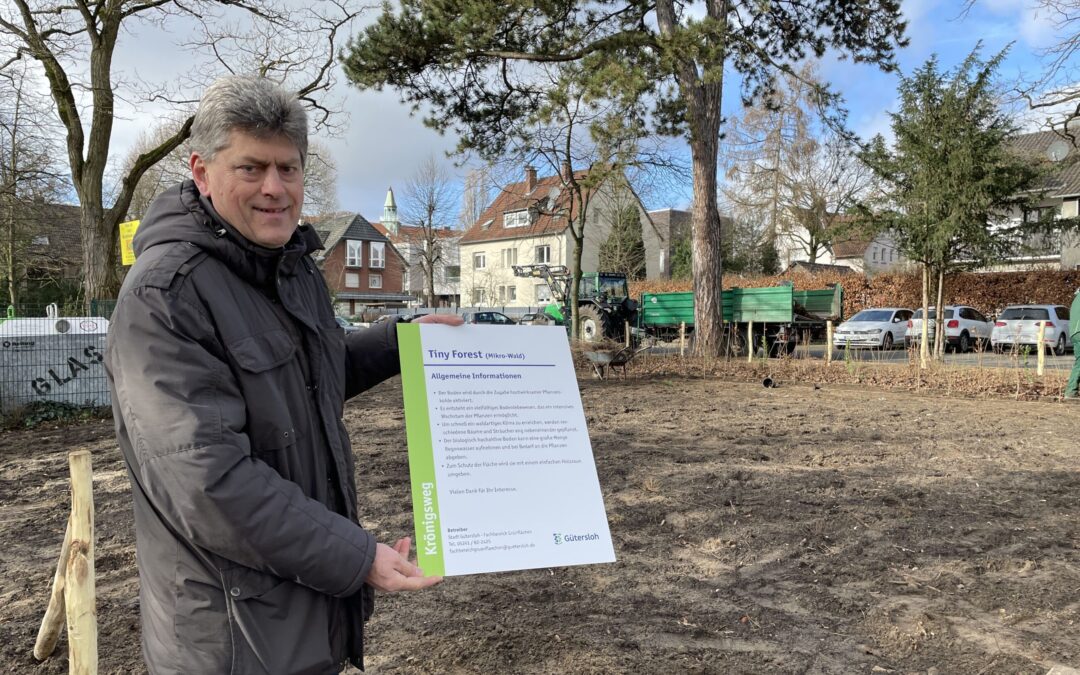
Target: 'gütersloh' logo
(558,538)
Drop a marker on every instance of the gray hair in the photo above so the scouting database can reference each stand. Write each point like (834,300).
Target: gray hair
(253,105)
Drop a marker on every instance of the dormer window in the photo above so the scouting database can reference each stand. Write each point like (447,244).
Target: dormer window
(516,218)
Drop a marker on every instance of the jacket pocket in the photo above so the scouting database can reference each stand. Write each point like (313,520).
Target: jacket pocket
(276,626)
(262,352)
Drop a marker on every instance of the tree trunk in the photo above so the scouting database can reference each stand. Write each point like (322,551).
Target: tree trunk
(703,99)
(99,255)
(429,278)
(577,239)
(939,328)
(924,333)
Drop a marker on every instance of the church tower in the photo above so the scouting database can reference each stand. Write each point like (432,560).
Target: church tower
(389,213)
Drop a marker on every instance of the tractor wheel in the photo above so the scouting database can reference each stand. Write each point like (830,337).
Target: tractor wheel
(592,325)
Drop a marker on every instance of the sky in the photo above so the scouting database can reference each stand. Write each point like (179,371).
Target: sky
(381,145)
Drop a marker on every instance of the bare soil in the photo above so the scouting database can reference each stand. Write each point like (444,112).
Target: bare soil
(788,530)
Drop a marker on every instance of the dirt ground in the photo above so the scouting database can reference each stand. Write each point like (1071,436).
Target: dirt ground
(787,530)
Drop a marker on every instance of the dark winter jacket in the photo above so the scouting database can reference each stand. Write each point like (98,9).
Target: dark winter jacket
(228,376)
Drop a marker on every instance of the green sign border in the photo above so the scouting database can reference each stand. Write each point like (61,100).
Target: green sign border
(421,450)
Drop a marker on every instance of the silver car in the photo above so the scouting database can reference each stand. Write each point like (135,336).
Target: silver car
(883,328)
(1019,325)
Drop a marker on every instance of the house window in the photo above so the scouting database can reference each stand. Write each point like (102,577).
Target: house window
(543,293)
(875,255)
(509,257)
(542,254)
(352,280)
(378,255)
(41,240)
(478,297)
(479,260)
(507,294)
(354,253)
(516,218)
(453,273)
(374,280)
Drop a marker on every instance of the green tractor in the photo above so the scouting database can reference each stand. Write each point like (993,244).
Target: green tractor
(604,302)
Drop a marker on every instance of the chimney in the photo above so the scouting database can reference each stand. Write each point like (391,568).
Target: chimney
(530,179)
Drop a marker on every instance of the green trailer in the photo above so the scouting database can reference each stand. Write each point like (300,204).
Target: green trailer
(780,314)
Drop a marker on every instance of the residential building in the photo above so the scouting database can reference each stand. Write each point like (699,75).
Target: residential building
(528,223)
(869,255)
(412,241)
(1060,199)
(361,266)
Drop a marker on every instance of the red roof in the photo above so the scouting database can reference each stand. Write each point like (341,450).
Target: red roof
(515,197)
(408,233)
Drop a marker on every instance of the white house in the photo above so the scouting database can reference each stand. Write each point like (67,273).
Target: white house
(527,224)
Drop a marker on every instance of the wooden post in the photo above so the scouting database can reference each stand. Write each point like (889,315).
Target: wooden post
(1042,349)
(53,621)
(751,347)
(682,338)
(627,333)
(828,340)
(79,587)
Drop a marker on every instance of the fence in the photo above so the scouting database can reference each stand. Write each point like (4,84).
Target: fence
(49,359)
(512,312)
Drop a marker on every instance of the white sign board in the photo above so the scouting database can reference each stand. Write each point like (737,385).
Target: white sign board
(500,461)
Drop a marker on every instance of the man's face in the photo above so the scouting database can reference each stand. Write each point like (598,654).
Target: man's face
(256,185)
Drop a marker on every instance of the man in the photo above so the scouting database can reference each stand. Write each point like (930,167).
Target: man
(228,376)
(1074,335)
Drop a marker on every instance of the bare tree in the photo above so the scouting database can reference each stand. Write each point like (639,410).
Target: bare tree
(787,165)
(474,197)
(428,203)
(29,177)
(74,44)
(1054,94)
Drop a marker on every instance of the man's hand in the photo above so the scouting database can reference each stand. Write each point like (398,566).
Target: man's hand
(392,571)
(448,319)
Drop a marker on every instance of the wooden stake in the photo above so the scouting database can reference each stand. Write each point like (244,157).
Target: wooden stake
(750,342)
(627,333)
(53,621)
(1042,349)
(79,587)
(682,338)
(828,342)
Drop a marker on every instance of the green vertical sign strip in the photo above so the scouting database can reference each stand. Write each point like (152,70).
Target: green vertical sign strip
(425,498)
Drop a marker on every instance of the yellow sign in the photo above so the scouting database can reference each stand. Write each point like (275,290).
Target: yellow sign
(127,233)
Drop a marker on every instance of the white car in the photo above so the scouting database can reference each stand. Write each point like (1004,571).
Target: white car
(880,328)
(1019,325)
(965,327)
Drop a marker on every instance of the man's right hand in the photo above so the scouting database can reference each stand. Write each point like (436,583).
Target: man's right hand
(392,571)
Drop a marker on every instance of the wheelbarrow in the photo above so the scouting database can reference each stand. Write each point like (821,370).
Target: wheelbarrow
(612,358)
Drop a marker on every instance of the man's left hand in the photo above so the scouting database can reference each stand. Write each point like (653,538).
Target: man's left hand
(448,319)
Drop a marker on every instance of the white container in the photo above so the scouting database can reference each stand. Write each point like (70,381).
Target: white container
(55,359)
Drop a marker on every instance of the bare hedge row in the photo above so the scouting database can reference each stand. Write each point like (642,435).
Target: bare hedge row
(987,292)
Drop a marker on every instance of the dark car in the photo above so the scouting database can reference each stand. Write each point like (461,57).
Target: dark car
(495,318)
(345,325)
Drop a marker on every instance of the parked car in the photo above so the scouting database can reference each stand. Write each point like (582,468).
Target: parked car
(1019,325)
(496,318)
(344,323)
(965,327)
(880,327)
(534,319)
